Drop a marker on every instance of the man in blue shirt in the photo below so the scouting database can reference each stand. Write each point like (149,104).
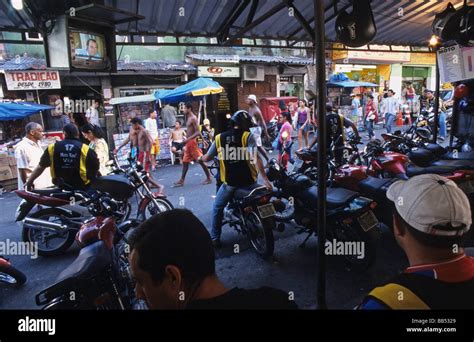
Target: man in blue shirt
(90,51)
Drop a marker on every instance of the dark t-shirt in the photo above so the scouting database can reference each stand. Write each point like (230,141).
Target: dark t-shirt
(242,299)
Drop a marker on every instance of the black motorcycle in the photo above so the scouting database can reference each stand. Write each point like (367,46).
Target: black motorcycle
(349,215)
(250,213)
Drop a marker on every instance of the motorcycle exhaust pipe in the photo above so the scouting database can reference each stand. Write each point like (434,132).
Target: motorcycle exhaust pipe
(43,224)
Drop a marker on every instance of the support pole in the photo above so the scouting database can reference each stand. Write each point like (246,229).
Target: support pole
(322,157)
(436,107)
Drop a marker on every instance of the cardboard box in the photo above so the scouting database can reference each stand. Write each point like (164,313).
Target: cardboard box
(3,159)
(14,171)
(12,161)
(5,173)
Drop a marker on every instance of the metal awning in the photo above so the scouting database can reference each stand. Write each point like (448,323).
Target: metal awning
(402,22)
(133,99)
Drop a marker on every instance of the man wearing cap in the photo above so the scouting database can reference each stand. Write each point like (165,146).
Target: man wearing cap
(390,108)
(428,103)
(257,117)
(431,221)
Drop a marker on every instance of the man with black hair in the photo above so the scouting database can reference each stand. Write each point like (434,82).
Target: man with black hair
(173,263)
(431,221)
(336,134)
(71,162)
(191,151)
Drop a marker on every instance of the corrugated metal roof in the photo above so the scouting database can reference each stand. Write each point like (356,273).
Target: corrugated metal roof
(255,59)
(32,63)
(153,66)
(23,63)
(404,22)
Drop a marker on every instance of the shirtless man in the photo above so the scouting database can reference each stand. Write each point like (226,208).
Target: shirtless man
(142,142)
(191,149)
(178,134)
(257,116)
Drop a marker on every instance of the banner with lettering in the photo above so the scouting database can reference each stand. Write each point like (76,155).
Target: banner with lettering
(31,80)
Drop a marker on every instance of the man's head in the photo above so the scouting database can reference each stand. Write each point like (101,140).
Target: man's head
(153,114)
(390,93)
(171,255)
(251,100)
(34,131)
(329,108)
(432,212)
(177,124)
(370,97)
(188,108)
(206,123)
(96,104)
(136,123)
(71,131)
(91,47)
(241,121)
(429,93)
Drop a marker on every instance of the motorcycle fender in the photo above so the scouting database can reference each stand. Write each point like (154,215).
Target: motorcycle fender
(4,262)
(23,210)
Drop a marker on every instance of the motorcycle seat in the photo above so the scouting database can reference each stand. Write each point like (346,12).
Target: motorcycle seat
(376,188)
(92,259)
(240,193)
(54,192)
(457,164)
(335,197)
(413,170)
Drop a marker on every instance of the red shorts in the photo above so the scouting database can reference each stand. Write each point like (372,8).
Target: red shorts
(144,159)
(191,151)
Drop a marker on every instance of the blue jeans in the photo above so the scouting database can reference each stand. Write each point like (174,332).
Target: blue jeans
(390,118)
(442,125)
(370,128)
(223,196)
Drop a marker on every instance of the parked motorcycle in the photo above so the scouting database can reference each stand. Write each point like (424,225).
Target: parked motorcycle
(99,278)
(9,275)
(250,213)
(349,215)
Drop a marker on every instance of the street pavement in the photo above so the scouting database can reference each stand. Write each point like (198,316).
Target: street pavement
(292,269)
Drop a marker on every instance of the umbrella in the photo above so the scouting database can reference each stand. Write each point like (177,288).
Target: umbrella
(20,110)
(199,87)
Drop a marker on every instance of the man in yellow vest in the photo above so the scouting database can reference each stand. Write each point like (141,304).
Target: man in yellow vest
(71,162)
(239,165)
(431,221)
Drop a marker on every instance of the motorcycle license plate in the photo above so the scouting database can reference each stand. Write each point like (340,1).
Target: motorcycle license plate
(368,221)
(266,210)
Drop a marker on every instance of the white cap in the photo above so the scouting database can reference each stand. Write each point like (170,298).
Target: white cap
(429,201)
(253,98)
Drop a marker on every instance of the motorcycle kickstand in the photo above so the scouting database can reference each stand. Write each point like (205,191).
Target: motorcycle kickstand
(303,244)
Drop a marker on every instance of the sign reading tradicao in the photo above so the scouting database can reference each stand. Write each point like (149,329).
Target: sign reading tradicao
(30,80)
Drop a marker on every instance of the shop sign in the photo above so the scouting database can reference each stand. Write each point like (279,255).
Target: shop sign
(468,61)
(450,64)
(218,71)
(31,80)
(378,56)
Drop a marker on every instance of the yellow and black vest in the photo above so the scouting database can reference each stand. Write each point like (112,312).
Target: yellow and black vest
(410,291)
(237,166)
(68,160)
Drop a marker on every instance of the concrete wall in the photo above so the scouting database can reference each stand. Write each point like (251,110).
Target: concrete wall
(396,79)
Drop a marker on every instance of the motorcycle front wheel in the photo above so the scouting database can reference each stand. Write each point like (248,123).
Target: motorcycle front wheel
(260,234)
(149,209)
(49,243)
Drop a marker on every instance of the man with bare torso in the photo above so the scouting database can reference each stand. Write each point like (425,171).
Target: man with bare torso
(141,146)
(191,149)
(177,137)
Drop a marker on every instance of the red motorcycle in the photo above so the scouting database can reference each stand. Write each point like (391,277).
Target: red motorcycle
(10,275)
(100,277)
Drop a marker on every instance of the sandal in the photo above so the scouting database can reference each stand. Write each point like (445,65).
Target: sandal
(178,184)
(207,181)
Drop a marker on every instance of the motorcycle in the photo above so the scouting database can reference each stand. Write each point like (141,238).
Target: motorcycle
(9,275)
(349,216)
(250,212)
(99,278)
(54,227)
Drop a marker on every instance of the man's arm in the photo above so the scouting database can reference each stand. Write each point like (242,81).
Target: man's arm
(35,174)
(125,142)
(211,153)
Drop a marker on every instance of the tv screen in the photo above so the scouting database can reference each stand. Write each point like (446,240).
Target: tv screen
(88,50)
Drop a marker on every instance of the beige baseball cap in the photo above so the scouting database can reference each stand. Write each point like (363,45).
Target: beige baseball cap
(428,202)
(253,98)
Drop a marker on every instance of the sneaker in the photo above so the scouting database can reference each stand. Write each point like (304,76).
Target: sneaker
(217,243)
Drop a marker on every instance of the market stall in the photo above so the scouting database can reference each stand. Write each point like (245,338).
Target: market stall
(14,114)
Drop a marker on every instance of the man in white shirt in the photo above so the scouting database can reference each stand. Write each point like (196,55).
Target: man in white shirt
(152,127)
(390,108)
(92,114)
(28,153)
